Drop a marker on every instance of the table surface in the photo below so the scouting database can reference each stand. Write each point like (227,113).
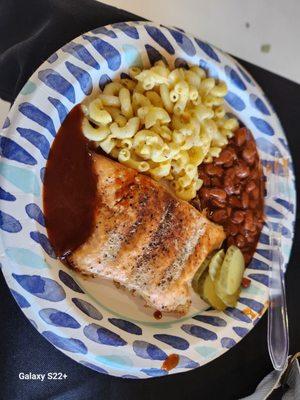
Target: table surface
(269,29)
(231,376)
(223,23)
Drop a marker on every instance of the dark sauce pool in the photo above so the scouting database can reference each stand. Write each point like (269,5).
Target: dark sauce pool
(70,187)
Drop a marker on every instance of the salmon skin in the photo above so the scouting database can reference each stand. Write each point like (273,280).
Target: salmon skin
(144,238)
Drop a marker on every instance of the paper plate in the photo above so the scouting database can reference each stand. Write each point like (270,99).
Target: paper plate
(90,320)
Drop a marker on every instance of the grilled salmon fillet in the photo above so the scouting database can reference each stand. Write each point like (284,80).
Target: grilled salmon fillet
(144,238)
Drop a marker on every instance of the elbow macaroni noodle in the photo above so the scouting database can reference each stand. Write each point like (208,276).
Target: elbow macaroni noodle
(163,123)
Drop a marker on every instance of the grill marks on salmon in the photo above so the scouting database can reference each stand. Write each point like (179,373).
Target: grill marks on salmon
(141,275)
(144,238)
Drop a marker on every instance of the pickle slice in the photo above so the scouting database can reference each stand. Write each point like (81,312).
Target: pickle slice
(232,271)
(220,285)
(209,295)
(229,299)
(199,273)
(200,284)
(216,263)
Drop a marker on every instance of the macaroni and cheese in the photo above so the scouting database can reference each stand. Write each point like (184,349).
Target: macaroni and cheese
(163,123)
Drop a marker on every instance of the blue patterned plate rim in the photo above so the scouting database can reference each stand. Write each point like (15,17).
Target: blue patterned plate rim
(60,304)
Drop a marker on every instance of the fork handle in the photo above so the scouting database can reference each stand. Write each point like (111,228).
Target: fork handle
(278,337)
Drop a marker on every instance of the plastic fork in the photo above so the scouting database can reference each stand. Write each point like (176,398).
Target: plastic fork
(278,336)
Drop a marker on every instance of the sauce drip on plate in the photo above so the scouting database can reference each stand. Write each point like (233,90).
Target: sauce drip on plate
(170,362)
(157,314)
(70,187)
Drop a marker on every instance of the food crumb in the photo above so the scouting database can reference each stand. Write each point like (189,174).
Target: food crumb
(246,282)
(265,48)
(157,314)
(247,311)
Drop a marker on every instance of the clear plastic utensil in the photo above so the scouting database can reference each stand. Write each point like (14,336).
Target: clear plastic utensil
(278,336)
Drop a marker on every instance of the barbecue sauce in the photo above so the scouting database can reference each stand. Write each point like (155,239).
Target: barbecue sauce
(70,187)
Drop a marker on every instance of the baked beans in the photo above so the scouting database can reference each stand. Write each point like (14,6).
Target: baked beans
(233,192)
